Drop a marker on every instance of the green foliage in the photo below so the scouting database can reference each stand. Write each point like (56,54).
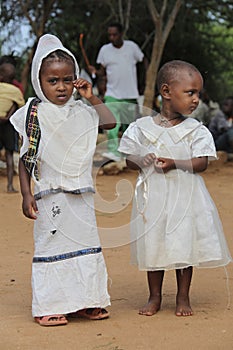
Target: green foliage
(202,34)
(204,37)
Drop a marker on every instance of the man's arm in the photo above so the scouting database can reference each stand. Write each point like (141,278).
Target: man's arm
(100,72)
(141,74)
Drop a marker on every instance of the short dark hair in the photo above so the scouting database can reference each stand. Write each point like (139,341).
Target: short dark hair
(8,59)
(169,71)
(116,25)
(7,72)
(59,55)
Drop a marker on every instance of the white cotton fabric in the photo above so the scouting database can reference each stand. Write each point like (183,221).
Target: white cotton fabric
(120,64)
(68,132)
(175,223)
(66,222)
(67,145)
(47,44)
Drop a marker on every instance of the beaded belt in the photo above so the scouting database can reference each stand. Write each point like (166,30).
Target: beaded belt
(54,258)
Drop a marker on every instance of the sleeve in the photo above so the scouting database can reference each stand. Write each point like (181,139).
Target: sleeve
(18,121)
(91,110)
(130,142)
(100,57)
(138,53)
(203,144)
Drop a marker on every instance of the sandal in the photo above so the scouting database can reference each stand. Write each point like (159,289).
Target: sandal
(95,313)
(51,320)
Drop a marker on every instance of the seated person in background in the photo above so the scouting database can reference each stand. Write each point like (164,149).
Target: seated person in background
(212,105)
(206,109)
(11,98)
(221,126)
(201,113)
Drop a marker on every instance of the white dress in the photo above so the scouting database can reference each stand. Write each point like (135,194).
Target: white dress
(175,223)
(68,270)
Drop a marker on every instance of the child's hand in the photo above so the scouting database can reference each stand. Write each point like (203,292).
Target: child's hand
(29,207)
(84,87)
(148,159)
(163,165)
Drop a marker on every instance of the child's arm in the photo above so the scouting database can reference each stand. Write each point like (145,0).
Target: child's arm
(107,120)
(29,204)
(137,162)
(194,165)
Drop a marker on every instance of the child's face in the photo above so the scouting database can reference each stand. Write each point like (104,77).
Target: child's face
(56,79)
(184,95)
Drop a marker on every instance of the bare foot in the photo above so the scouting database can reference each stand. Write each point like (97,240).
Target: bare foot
(152,307)
(183,307)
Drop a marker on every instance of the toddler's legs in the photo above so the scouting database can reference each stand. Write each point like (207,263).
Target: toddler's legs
(155,281)
(183,278)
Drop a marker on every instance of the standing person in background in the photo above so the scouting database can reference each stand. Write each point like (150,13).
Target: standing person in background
(118,61)
(175,224)
(14,61)
(11,98)
(69,276)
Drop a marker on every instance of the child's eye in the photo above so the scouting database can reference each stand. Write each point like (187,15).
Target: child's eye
(68,79)
(52,81)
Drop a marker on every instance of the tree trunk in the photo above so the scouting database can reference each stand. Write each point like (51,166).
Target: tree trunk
(151,75)
(26,69)
(162,31)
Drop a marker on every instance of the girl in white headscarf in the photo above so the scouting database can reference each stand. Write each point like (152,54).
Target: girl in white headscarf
(69,276)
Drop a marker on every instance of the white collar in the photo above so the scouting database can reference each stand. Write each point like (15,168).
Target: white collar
(153,131)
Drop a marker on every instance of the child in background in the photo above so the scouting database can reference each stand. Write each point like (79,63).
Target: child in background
(11,98)
(69,276)
(175,224)
(12,60)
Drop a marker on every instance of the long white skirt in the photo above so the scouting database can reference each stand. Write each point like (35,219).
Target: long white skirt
(68,270)
(175,224)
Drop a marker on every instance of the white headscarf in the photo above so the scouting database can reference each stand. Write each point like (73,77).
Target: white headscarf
(69,131)
(47,44)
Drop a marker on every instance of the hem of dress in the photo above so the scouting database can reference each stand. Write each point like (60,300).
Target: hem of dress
(71,310)
(199,266)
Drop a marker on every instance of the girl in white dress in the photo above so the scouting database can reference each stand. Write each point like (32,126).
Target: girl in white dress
(69,275)
(175,224)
